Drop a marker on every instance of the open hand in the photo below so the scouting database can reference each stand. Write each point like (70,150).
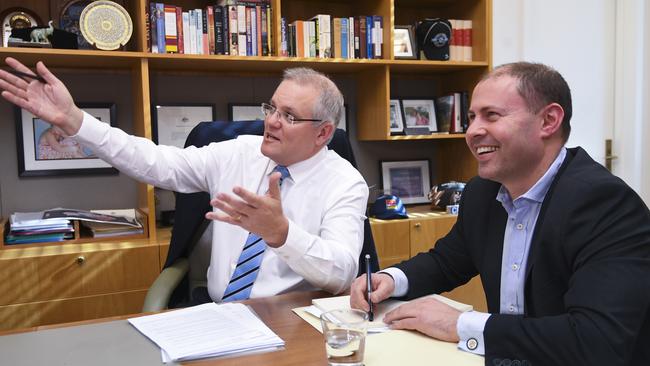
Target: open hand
(261,215)
(50,101)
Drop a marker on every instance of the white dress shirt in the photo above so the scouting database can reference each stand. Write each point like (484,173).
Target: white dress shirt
(324,200)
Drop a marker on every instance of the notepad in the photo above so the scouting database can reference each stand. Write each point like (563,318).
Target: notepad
(207,330)
(380,310)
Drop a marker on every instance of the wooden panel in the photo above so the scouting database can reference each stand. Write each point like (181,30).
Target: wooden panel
(426,230)
(372,111)
(391,240)
(68,310)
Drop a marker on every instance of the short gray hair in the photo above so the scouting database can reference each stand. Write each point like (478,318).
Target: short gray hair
(329,105)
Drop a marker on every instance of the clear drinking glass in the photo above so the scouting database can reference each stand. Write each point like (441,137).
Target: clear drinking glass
(345,336)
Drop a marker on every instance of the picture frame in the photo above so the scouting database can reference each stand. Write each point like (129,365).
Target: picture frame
(396,117)
(172,123)
(409,180)
(44,150)
(404,46)
(419,113)
(343,123)
(245,112)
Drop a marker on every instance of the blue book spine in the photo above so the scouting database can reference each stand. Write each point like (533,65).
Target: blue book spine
(344,38)
(369,38)
(160,26)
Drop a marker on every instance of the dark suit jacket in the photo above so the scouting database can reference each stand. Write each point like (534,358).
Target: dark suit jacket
(587,289)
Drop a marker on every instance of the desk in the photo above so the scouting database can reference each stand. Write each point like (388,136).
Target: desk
(113,341)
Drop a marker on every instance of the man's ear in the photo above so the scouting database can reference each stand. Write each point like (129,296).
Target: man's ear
(552,115)
(325,131)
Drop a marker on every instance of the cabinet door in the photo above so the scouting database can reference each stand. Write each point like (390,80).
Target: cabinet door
(391,241)
(424,234)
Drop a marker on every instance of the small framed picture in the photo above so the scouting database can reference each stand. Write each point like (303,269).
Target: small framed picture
(408,180)
(44,149)
(16,18)
(396,117)
(245,112)
(404,42)
(172,123)
(420,113)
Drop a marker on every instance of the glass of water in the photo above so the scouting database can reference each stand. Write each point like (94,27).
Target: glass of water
(345,336)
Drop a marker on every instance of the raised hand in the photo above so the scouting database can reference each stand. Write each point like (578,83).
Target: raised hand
(50,101)
(382,284)
(260,214)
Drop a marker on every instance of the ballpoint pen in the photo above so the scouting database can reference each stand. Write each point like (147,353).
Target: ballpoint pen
(369,289)
(27,75)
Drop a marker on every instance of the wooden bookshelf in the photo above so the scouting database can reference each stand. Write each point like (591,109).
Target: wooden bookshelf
(374,79)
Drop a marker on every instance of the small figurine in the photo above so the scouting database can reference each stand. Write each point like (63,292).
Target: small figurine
(40,35)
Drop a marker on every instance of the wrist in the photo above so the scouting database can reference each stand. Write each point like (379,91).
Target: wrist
(279,237)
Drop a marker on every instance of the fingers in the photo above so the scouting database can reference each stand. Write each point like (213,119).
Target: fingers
(17,65)
(358,294)
(43,71)
(274,185)
(383,287)
(406,323)
(231,206)
(220,216)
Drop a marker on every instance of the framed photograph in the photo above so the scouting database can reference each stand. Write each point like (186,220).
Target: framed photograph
(420,113)
(396,117)
(408,180)
(44,149)
(404,42)
(343,123)
(172,123)
(245,112)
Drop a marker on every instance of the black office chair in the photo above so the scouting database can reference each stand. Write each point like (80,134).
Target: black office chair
(172,288)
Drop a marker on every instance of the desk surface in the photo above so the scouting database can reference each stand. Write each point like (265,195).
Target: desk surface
(113,341)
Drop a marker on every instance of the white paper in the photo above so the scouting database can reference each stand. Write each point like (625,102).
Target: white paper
(207,330)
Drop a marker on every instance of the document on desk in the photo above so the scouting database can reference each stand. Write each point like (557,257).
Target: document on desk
(208,330)
(376,326)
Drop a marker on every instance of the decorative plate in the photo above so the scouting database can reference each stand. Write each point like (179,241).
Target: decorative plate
(106,24)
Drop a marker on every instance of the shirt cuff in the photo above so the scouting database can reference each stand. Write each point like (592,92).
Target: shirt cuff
(296,245)
(470,328)
(91,131)
(401,282)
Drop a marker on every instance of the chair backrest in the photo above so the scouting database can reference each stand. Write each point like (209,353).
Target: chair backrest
(189,221)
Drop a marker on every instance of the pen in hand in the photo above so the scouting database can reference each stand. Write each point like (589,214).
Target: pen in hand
(27,75)
(369,287)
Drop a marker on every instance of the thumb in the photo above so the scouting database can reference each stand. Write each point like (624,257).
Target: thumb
(274,185)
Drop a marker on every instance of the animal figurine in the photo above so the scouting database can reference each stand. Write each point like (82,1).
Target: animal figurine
(40,35)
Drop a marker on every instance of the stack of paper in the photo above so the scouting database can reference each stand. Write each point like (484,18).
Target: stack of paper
(109,229)
(207,330)
(30,227)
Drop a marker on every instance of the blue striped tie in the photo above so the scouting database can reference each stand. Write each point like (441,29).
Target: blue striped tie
(248,265)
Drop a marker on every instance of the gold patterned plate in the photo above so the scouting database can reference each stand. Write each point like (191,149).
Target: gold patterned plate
(106,24)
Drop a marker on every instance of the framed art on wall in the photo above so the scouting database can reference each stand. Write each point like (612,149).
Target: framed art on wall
(408,180)
(44,149)
(245,112)
(172,123)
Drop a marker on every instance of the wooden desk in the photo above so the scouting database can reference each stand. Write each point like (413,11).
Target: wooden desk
(303,344)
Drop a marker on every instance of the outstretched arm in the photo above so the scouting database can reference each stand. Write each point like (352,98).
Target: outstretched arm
(50,101)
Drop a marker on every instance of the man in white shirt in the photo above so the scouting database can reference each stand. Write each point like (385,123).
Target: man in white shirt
(312,223)
(562,246)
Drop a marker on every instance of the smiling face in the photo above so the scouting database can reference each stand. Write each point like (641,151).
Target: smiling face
(506,138)
(287,144)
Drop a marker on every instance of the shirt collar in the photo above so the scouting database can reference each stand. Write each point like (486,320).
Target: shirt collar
(301,169)
(538,191)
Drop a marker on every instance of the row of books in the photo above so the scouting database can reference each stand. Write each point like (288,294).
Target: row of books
(55,225)
(460,42)
(230,27)
(323,36)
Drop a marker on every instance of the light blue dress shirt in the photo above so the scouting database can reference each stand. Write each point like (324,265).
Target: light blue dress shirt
(522,216)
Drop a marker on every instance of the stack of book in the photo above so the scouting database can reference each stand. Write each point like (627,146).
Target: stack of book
(30,227)
(102,223)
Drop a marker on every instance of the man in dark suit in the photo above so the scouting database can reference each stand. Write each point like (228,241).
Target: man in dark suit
(562,246)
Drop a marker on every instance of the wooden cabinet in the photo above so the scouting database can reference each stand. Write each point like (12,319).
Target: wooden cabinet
(398,240)
(114,275)
(52,284)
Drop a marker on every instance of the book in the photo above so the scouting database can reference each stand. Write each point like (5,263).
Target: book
(207,330)
(380,310)
(171,33)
